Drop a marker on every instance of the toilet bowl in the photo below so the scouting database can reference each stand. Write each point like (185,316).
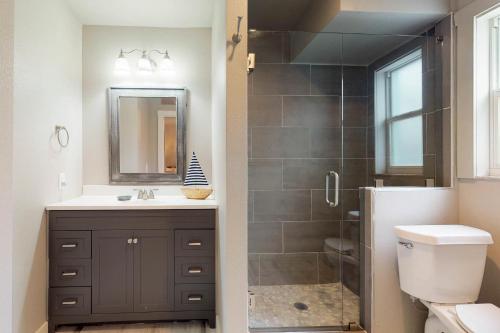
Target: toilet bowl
(443,266)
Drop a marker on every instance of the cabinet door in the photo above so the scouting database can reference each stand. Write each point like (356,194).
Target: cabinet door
(154,271)
(112,271)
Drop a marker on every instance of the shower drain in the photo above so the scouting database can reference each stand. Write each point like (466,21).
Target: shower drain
(300,306)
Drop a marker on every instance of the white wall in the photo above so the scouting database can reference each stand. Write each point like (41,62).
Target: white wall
(6,107)
(47,91)
(392,310)
(188,48)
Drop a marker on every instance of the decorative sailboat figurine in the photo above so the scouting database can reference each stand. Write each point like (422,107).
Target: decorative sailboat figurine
(196,184)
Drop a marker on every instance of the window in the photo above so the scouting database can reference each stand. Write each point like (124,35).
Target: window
(399,116)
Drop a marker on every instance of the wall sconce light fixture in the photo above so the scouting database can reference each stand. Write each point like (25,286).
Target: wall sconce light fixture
(145,64)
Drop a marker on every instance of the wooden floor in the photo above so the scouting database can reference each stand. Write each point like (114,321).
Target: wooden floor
(151,328)
(139,328)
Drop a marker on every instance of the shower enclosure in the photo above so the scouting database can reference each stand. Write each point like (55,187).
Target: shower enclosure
(314,113)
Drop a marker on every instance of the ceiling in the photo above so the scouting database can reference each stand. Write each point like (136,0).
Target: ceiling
(145,13)
(330,44)
(365,37)
(281,15)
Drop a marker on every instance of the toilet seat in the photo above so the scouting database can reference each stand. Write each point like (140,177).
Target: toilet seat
(478,318)
(467,318)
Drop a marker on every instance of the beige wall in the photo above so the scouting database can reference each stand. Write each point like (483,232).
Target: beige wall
(229,88)
(479,207)
(426,6)
(47,91)
(459,4)
(6,105)
(392,310)
(219,137)
(478,199)
(188,48)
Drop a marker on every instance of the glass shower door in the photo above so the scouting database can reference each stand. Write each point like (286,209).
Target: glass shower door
(295,140)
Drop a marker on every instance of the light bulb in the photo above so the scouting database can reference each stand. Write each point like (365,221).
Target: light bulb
(121,64)
(144,64)
(166,63)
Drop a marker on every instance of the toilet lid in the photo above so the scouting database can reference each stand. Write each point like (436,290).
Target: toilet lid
(479,318)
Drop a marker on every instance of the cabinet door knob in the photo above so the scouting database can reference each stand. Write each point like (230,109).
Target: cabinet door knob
(194,270)
(135,241)
(74,273)
(69,246)
(194,243)
(195,298)
(129,241)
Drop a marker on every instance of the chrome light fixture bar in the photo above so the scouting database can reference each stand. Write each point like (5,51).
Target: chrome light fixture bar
(145,64)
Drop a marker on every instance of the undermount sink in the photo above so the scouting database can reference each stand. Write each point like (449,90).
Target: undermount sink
(133,201)
(111,202)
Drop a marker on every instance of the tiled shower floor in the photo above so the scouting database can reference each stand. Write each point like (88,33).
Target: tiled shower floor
(274,306)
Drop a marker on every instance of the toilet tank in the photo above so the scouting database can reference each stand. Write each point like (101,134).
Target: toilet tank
(442,263)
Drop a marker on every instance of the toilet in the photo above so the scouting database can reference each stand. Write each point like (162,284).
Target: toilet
(443,267)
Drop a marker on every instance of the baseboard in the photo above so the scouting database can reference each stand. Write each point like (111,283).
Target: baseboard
(43,329)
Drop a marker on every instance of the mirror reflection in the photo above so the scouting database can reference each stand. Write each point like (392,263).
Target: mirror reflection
(148,134)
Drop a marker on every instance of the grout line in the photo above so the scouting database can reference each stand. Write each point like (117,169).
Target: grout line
(282,237)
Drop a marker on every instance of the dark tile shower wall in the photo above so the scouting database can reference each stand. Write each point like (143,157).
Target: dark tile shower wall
(295,138)
(437,108)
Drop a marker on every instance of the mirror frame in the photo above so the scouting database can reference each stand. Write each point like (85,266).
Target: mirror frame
(117,177)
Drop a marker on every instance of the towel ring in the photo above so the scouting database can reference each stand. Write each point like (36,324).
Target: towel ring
(63,142)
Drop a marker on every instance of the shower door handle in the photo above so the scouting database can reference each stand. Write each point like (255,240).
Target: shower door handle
(335,201)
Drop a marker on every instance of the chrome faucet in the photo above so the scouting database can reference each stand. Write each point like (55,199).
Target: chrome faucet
(144,195)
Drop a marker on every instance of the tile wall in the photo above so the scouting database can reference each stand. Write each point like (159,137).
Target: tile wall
(437,108)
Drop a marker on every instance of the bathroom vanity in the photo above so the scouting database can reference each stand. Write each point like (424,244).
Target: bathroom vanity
(131,262)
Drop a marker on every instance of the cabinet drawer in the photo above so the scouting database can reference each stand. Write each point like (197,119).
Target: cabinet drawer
(195,243)
(70,244)
(194,297)
(69,301)
(70,273)
(194,270)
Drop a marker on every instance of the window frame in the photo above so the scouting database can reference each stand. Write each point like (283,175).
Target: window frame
(494,55)
(384,102)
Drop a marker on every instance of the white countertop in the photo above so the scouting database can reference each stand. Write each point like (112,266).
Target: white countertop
(110,202)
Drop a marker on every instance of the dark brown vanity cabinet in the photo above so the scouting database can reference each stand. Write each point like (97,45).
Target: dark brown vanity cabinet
(131,266)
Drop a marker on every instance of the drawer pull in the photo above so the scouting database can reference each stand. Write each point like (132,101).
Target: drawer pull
(194,243)
(69,246)
(69,273)
(69,302)
(194,270)
(195,298)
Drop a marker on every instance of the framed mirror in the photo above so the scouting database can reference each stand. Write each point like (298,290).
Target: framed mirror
(147,135)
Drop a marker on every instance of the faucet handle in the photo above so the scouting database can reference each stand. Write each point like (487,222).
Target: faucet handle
(152,193)
(141,194)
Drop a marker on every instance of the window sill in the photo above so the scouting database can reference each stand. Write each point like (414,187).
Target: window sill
(485,178)
(381,175)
